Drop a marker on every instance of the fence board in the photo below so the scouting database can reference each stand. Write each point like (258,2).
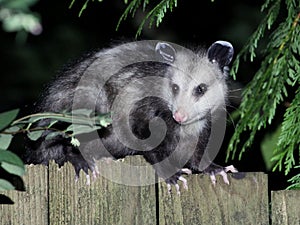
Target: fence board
(31,206)
(55,198)
(285,207)
(103,201)
(244,201)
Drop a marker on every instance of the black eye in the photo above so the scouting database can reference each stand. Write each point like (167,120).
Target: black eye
(175,89)
(200,90)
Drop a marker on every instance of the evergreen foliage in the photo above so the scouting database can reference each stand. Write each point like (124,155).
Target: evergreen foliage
(275,83)
(154,15)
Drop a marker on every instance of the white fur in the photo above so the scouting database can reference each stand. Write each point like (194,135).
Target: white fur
(188,72)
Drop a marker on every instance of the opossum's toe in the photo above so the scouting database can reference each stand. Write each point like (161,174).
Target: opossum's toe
(230,168)
(169,186)
(184,182)
(88,179)
(235,173)
(224,176)
(222,173)
(177,187)
(186,171)
(95,172)
(213,178)
(76,178)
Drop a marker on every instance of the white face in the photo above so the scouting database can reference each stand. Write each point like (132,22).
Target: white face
(197,88)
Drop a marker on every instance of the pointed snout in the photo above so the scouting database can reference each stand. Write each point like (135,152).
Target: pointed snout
(180,116)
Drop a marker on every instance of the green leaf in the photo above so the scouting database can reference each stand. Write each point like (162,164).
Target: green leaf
(5,139)
(11,163)
(34,135)
(6,118)
(5,185)
(13,169)
(46,115)
(83,112)
(53,135)
(66,117)
(81,129)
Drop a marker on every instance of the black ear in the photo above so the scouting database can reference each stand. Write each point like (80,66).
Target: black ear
(220,52)
(165,52)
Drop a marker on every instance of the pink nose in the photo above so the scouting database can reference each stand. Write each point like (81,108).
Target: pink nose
(180,117)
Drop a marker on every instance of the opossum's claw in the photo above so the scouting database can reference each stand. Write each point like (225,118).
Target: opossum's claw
(88,179)
(86,167)
(95,172)
(230,168)
(175,178)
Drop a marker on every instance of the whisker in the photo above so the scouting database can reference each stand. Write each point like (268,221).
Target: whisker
(235,90)
(230,119)
(232,96)
(228,105)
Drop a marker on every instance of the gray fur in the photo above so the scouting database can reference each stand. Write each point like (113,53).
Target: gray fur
(136,82)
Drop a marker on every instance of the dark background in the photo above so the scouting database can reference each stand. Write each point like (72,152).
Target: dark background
(27,67)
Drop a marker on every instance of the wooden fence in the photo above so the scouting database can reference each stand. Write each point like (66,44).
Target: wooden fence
(53,197)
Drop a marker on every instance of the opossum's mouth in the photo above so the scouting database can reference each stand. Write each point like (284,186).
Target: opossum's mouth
(194,120)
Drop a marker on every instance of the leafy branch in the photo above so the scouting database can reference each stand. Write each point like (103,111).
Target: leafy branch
(279,72)
(252,43)
(78,122)
(154,15)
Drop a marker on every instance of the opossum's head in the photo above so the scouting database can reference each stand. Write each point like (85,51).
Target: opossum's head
(197,85)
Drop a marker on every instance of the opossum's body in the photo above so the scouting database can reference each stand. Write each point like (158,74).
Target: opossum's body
(142,84)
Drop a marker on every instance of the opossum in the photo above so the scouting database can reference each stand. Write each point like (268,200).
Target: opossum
(167,103)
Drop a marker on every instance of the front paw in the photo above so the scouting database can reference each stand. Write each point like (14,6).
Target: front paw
(175,178)
(214,170)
